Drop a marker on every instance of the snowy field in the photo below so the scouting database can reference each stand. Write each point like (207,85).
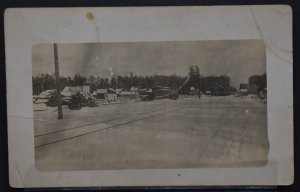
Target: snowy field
(184,133)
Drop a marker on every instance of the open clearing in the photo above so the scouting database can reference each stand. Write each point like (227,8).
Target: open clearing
(184,133)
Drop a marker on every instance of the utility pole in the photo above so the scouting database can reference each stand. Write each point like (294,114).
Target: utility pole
(59,106)
(199,87)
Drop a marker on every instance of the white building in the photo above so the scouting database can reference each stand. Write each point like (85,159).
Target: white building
(70,90)
(106,94)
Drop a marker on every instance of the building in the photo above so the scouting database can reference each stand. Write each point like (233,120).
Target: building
(128,94)
(244,88)
(111,96)
(71,90)
(207,92)
(100,93)
(194,91)
(134,89)
(107,94)
(146,94)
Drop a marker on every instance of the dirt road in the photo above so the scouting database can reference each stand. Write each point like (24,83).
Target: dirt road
(183,133)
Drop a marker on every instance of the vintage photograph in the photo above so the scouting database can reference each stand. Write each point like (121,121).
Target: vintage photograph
(150,105)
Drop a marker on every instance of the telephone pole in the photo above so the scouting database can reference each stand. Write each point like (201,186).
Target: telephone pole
(59,106)
(199,87)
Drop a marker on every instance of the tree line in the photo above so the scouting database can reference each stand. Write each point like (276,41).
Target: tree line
(259,82)
(44,82)
(205,83)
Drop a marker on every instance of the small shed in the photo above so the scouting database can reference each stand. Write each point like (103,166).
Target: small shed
(244,87)
(107,94)
(134,89)
(111,95)
(100,93)
(194,91)
(71,90)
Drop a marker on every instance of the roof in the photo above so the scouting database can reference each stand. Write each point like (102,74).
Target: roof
(70,90)
(127,93)
(47,93)
(134,88)
(99,91)
(75,89)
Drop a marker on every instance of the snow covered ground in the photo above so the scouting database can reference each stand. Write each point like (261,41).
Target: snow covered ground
(188,132)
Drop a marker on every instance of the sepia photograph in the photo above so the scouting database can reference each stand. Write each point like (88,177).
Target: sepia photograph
(142,97)
(150,105)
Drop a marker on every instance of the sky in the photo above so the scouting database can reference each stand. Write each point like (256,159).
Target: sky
(238,59)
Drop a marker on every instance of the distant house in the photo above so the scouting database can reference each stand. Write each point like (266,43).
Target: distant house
(46,94)
(146,94)
(134,89)
(194,91)
(207,92)
(111,96)
(71,90)
(129,94)
(75,89)
(244,88)
(100,93)
(107,94)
